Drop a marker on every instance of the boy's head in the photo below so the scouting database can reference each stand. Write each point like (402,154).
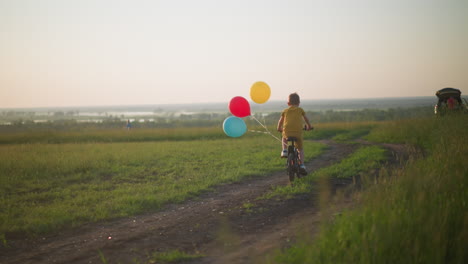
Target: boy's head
(294,99)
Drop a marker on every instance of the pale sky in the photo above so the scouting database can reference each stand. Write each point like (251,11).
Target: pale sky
(127,52)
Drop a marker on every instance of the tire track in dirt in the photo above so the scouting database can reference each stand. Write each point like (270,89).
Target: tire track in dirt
(214,224)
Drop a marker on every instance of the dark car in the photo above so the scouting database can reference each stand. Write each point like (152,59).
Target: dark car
(449,99)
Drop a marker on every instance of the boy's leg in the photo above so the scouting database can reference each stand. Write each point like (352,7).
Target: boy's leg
(301,155)
(302,169)
(284,145)
(300,149)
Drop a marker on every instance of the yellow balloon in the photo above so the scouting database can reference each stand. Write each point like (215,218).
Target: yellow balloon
(260,92)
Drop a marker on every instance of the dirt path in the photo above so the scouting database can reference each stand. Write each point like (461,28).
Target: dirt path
(217,225)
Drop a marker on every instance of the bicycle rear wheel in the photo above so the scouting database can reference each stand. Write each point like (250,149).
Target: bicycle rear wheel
(291,167)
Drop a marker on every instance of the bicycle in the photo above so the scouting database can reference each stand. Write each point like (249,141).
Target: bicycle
(293,165)
(293,168)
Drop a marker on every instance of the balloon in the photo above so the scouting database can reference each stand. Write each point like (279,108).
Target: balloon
(239,106)
(260,92)
(234,126)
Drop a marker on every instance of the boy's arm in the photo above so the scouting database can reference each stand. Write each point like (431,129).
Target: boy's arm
(280,124)
(309,126)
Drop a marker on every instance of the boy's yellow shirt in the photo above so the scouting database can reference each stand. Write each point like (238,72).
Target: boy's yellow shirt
(293,120)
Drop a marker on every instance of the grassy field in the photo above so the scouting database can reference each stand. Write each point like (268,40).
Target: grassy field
(45,187)
(341,131)
(109,135)
(361,161)
(419,215)
(51,180)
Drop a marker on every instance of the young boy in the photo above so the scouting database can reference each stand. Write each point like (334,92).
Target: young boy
(290,124)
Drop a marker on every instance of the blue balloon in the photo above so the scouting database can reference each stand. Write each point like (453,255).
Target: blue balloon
(234,126)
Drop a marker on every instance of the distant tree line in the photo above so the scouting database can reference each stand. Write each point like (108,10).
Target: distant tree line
(331,116)
(58,122)
(372,115)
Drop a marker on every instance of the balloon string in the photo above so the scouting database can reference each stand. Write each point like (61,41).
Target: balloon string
(266,129)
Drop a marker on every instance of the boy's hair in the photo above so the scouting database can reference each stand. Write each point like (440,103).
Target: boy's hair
(294,99)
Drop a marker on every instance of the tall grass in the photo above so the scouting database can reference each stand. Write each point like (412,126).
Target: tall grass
(46,187)
(420,215)
(175,256)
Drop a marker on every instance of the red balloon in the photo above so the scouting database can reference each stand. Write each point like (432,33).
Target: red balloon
(239,106)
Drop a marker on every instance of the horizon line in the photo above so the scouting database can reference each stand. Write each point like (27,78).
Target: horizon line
(206,103)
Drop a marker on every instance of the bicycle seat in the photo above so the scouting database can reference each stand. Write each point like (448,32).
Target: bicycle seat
(292,138)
